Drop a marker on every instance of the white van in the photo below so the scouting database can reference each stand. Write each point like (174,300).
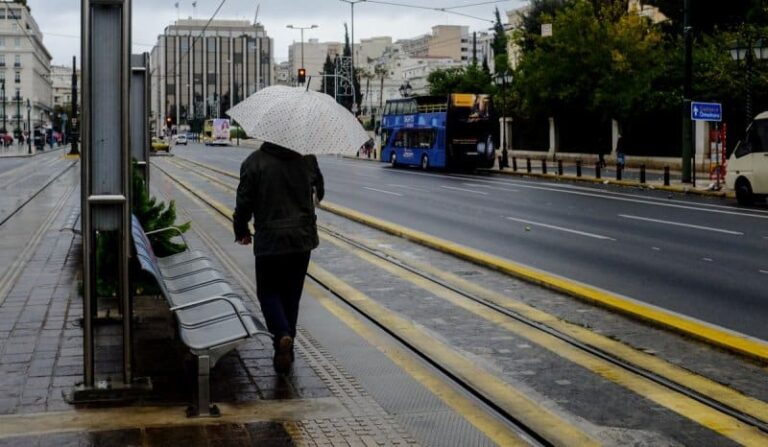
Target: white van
(747,170)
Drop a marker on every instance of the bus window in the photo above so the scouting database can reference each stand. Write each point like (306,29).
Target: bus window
(425,138)
(398,108)
(401,139)
(411,107)
(388,108)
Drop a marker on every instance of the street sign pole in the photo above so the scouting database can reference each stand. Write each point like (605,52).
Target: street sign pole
(706,111)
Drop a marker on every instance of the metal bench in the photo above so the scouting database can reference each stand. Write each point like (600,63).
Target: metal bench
(212,319)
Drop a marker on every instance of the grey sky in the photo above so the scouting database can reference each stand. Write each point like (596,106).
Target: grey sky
(60,19)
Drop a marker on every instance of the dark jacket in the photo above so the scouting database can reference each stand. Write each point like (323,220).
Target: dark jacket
(317,182)
(276,191)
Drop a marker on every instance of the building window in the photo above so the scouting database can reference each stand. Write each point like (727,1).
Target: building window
(2,60)
(2,39)
(17,42)
(17,60)
(17,77)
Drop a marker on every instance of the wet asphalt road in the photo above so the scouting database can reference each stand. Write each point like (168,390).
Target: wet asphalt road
(705,258)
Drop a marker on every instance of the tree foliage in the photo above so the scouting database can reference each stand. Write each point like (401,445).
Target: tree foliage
(600,59)
(470,79)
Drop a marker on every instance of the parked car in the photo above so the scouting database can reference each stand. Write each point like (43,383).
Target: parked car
(181,139)
(158,144)
(747,168)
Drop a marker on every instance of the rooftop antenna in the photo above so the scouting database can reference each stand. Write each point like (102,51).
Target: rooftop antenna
(256,18)
(194,10)
(176,5)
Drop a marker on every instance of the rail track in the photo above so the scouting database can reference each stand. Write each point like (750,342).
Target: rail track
(719,400)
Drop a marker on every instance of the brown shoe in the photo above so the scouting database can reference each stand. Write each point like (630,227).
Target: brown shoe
(283,354)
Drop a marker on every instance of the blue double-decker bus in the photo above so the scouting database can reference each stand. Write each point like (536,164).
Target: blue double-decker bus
(454,132)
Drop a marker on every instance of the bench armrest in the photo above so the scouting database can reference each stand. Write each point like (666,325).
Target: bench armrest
(211,300)
(161,230)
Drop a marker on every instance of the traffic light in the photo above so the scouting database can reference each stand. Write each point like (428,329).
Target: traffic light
(302,75)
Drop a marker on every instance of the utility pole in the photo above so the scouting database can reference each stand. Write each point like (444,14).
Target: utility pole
(2,83)
(18,114)
(73,150)
(474,48)
(687,155)
(30,134)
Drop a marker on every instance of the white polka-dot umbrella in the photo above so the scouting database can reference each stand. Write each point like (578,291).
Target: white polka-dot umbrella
(307,122)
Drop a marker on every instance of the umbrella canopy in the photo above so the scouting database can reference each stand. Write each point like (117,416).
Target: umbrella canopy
(305,121)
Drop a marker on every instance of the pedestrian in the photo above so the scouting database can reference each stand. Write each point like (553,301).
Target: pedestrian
(317,182)
(275,191)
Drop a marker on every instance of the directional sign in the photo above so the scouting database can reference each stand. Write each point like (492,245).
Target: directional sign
(706,111)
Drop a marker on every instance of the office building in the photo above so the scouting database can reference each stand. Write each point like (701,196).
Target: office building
(199,73)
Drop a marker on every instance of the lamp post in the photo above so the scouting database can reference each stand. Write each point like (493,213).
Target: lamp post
(503,78)
(29,126)
(301,28)
(18,114)
(2,84)
(73,149)
(748,51)
(405,89)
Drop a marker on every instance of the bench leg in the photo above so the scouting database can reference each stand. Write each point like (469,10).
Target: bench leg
(201,406)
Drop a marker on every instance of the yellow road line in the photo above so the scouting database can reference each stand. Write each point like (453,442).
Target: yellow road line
(717,336)
(475,415)
(728,396)
(721,337)
(551,426)
(683,405)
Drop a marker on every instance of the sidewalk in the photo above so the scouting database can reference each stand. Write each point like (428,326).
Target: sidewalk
(630,176)
(41,348)
(17,151)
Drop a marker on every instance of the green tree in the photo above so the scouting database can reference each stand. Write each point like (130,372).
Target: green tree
(328,84)
(600,60)
(499,45)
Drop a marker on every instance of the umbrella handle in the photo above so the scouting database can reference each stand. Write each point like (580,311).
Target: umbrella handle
(309,81)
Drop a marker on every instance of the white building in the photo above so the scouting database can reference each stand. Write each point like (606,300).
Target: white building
(25,73)
(315,53)
(61,83)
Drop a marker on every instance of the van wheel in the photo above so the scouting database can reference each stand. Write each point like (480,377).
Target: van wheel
(425,162)
(744,192)
(393,160)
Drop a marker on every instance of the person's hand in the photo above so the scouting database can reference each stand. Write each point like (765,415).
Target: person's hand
(246,240)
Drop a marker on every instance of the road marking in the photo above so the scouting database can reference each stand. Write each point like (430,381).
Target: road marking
(707,259)
(464,190)
(567,230)
(655,249)
(409,187)
(491,187)
(680,224)
(551,425)
(764,272)
(383,192)
(681,404)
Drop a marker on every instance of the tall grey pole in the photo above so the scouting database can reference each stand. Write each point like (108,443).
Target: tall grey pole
(5,130)
(29,126)
(73,150)
(687,154)
(302,47)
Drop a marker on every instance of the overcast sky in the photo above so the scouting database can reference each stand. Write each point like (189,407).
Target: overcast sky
(59,20)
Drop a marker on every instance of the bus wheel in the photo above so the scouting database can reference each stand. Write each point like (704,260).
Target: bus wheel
(744,192)
(393,160)
(425,162)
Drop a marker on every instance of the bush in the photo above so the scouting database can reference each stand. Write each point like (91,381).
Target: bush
(233,133)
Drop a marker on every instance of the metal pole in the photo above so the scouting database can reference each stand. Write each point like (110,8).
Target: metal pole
(29,127)
(687,153)
(73,150)
(4,120)
(302,47)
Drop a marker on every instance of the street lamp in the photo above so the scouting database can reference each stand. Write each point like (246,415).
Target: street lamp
(503,78)
(2,84)
(405,89)
(29,126)
(301,28)
(747,51)
(352,4)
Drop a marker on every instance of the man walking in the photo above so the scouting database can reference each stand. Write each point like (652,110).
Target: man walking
(276,191)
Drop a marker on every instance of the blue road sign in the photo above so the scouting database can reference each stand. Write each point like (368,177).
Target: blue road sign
(706,111)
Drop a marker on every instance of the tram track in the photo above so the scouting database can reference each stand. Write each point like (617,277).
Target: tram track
(36,192)
(722,400)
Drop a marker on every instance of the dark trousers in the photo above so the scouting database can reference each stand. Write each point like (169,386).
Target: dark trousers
(279,282)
